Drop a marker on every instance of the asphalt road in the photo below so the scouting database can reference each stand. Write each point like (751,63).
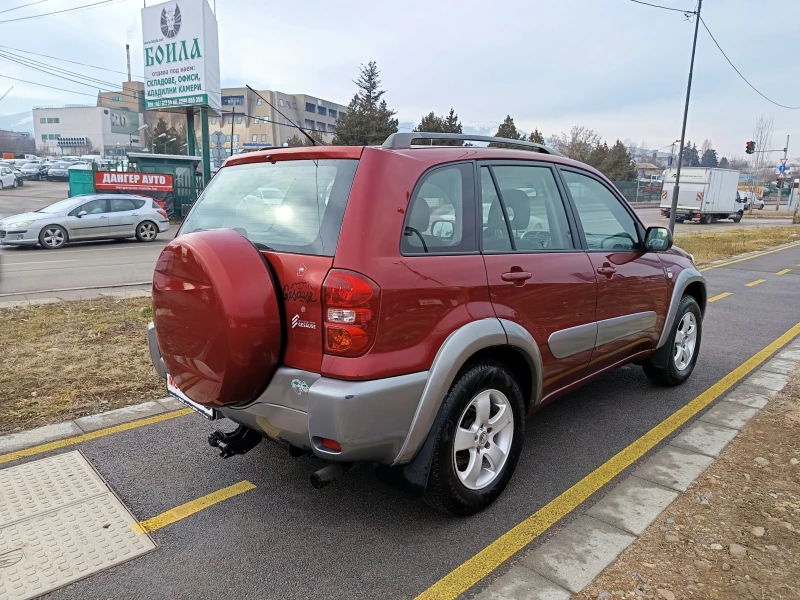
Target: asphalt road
(360,538)
(26,272)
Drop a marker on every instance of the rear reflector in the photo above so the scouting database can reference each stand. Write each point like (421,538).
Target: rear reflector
(331,444)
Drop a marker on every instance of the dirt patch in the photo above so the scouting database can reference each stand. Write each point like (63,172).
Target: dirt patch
(707,246)
(735,534)
(71,359)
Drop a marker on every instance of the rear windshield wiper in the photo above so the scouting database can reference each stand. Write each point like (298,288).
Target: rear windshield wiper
(261,246)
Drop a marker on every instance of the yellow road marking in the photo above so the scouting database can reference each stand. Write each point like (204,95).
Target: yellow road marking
(85,437)
(784,272)
(186,510)
(720,296)
(738,260)
(756,282)
(495,554)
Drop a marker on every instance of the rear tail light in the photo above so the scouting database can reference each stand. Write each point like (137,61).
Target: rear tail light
(351,304)
(163,213)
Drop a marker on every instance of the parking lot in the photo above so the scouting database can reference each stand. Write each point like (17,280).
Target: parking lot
(361,538)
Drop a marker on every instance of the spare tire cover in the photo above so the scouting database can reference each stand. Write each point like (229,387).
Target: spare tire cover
(217,317)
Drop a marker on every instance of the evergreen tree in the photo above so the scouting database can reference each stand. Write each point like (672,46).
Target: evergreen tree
(368,121)
(447,124)
(723,163)
(536,137)
(619,164)
(709,158)
(506,130)
(598,157)
(691,157)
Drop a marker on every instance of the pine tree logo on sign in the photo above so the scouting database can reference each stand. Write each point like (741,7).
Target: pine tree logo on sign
(171,22)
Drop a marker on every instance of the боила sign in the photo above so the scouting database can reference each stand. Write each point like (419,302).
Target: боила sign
(181,55)
(133,182)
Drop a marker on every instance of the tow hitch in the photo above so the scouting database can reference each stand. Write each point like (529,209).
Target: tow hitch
(239,441)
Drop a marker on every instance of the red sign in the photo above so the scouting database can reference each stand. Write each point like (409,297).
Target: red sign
(141,182)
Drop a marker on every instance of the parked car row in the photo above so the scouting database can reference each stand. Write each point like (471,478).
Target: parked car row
(10,176)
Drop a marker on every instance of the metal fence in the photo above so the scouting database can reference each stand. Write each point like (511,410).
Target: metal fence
(185,194)
(640,191)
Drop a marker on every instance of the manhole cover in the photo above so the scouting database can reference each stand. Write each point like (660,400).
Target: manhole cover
(60,522)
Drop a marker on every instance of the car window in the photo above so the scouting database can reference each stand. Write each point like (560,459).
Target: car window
(121,204)
(441,214)
(495,227)
(138,203)
(534,207)
(95,207)
(607,225)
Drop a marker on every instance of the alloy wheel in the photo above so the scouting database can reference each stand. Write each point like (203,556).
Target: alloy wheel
(147,231)
(685,341)
(53,237)
(483,439)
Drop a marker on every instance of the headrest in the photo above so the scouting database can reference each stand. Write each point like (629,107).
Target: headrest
(518,204)
(420,215)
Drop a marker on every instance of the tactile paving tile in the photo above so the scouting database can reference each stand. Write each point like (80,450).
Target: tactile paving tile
(73,527)
(46,484)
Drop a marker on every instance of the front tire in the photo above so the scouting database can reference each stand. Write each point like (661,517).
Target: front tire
(146,231)
(479,437)
(674,362)
(14,185)
(53,237)
(738,217)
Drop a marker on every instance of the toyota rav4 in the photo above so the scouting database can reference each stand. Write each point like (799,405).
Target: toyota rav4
(408,306)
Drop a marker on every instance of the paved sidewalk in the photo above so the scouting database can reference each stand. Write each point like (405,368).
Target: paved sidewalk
(572,558)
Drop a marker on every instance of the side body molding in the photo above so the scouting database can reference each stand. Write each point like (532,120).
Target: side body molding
(456,350)
(685,277)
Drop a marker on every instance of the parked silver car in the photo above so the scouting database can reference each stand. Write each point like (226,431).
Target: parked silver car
(90,217)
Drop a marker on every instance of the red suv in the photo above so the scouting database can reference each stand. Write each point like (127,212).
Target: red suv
(410,305)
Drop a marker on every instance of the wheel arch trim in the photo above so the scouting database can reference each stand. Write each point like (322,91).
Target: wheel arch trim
(685,278)
(451,357)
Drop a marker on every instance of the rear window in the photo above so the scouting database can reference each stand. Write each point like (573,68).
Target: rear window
(289,206)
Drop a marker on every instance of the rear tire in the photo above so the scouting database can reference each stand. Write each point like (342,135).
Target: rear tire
(705,220)
(674,362)
(14,184)
(146,231)
(479,438)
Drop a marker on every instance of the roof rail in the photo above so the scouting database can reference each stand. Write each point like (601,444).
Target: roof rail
(403,140)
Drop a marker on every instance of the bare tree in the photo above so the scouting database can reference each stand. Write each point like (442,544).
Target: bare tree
(706,145)
(578,143)
(762,136)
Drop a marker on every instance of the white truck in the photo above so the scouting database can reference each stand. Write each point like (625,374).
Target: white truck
(705,194)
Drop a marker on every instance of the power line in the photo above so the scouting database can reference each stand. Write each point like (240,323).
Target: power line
(55,71)
(57,12)
(739,73)
(68,61)
(22,6)
(664,7)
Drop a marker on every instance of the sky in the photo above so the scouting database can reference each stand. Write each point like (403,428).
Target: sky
(615,66)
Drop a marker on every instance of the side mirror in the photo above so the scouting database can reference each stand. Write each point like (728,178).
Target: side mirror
(82,213)
(658,239)
(442,229)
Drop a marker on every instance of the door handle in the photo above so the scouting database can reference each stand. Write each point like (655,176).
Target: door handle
(607,269)
(517,277)
(103,217)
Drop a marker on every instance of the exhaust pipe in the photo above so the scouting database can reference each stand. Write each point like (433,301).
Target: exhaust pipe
(329,473)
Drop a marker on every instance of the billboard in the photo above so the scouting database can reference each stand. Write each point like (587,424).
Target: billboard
(181,55)
(140,182)
(123,121)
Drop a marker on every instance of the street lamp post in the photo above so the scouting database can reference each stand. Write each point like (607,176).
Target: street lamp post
(163,135)
(167,142)
(130,136)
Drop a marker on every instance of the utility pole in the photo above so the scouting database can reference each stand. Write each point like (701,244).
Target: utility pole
(781,180)
(233,118)
(675,191)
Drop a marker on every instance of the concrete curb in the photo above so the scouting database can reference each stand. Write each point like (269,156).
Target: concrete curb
(572,558)
(59,431)
(715,263)
(26,299)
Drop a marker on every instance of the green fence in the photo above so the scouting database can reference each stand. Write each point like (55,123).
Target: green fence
(641,191)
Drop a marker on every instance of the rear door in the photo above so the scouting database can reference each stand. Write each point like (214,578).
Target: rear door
(539,276)
(632,287)
(94,224)
(122,216)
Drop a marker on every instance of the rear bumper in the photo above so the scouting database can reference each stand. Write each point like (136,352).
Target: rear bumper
(369,419)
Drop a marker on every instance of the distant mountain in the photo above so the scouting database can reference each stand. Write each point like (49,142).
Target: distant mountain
(474,128)
(18,122)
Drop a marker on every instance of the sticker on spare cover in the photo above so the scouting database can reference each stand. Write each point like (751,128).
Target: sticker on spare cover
(299,387)
(174,391)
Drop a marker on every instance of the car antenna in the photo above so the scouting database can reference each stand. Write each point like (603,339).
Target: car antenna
(303,131)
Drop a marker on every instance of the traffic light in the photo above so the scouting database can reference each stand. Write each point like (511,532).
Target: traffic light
(750,147)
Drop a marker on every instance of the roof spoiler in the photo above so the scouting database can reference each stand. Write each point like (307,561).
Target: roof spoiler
(398,141)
